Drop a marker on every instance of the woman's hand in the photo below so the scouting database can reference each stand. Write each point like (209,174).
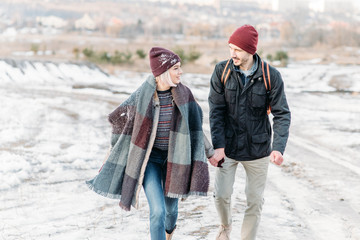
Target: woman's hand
(217,157)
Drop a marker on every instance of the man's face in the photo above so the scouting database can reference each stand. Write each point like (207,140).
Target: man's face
(239,56)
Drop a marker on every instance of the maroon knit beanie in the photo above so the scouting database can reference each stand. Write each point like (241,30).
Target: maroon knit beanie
(246,38)
(161,60)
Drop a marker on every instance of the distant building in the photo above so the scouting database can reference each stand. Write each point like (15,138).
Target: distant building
(288,6)
(51,21)
(332,6)
(239,3)
(269,31)
(314,5)
(197,2)
(85,23)
(338,6)
(317,5)
(114,26)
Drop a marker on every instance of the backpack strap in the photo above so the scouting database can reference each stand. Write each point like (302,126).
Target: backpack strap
(267,82)
(225,73)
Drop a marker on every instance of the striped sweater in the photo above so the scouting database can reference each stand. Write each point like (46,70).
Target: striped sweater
(163,128)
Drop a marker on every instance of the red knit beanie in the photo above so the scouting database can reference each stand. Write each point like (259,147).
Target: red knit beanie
(246,38)
(161,60)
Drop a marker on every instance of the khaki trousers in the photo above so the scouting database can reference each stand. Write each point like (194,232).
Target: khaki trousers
(256,173)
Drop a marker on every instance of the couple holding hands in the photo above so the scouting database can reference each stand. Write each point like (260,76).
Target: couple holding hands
(158,144)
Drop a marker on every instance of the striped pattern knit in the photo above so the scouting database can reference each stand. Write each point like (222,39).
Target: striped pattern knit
(163,129)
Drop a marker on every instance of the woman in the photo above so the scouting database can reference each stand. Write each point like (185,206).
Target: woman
(157,142)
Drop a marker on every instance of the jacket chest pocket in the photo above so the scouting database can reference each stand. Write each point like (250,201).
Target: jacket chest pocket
(230,92)
(258,98)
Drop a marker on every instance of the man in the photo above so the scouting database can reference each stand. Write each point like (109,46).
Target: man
(241,130)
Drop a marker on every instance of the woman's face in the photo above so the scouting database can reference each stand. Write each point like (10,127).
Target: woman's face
(175,73)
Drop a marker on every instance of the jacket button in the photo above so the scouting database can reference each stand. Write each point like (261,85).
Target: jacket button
(259,78)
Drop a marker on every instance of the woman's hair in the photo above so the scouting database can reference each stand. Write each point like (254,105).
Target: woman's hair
(165,79)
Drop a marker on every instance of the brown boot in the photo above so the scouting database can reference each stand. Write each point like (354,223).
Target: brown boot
(169,235)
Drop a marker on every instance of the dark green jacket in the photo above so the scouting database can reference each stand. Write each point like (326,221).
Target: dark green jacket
(238,119)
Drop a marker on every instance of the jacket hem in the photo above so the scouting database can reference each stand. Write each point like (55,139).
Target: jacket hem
(247,158)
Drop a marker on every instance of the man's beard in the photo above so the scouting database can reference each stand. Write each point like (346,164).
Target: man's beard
(239,62)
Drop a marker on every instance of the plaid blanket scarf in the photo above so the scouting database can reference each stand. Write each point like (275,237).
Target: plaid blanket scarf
(131,142)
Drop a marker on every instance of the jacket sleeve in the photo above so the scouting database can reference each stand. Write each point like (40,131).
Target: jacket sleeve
(217,108)
(281,112)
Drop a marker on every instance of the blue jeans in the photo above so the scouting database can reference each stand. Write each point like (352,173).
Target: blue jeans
(163,210)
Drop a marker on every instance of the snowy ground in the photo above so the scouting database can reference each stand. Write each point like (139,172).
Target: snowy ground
(54,134)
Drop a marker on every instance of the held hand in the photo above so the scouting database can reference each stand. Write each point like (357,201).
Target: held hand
(218,155)
(276,157)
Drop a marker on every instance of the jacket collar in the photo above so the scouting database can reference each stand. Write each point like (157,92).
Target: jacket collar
(258,72)
(252,70)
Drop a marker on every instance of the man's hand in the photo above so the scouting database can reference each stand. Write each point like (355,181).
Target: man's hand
(276,157)
(218,155)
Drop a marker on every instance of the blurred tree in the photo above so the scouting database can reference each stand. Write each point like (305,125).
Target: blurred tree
(141,53)
(127,56)
(116,58)
(104,57)
(193,55)
(76,52)
(181,53)
(35,48)
(281,55)
(88,53)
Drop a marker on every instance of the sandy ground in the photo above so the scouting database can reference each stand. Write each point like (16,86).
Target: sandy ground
(54,137)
